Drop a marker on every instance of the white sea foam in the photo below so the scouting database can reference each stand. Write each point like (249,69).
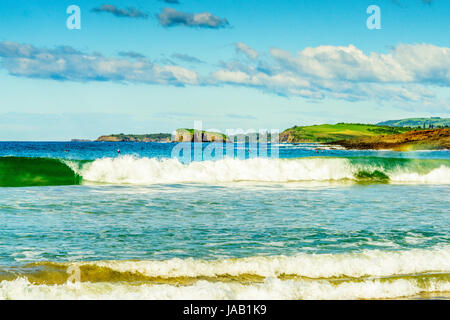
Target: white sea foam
(149,170)
(439,175)
(269,289)
(371,263)
(131,170)
(365,275)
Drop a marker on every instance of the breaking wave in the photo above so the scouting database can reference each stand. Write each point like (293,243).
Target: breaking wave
(16,172)
(365,275)
(130,170)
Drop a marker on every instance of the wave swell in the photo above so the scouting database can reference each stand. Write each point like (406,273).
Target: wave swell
(364,275)
(29,172)
(17,172)
(130,170)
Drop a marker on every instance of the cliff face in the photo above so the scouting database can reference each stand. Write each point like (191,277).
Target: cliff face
(189,135)
(413,140)
(183,136)
(291,136)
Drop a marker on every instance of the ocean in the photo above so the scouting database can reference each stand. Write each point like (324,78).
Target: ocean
(80,221)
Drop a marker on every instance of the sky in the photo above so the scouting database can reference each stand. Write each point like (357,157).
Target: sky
(148,66)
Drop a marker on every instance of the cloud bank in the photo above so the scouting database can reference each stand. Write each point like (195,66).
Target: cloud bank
(345,72)
(68,64)
(171,17)
(409,72)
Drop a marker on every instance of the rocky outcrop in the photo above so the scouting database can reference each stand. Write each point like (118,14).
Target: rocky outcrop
(293,136)
(189,135)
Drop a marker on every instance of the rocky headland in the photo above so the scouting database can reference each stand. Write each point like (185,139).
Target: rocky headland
(432,139)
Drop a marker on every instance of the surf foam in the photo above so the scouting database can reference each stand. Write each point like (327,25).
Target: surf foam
(206,290)
(371,274)
(368,263)
(131,170)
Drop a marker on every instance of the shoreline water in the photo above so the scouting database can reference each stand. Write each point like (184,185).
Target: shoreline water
(142,226)
(371,274)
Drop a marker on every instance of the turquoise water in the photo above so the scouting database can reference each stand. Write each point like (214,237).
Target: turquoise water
(314,224)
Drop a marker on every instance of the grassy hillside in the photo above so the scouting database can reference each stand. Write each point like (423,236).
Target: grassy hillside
(434,122)
(334,132)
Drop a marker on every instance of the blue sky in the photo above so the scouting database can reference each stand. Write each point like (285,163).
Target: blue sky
(151,66)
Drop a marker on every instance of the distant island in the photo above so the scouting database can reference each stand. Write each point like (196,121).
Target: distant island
(153,137)
(404,134)
(181,135)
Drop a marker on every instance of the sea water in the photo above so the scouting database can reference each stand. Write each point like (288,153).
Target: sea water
(80,221)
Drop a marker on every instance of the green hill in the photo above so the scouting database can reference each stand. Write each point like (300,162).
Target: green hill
(333,132)
(433,122)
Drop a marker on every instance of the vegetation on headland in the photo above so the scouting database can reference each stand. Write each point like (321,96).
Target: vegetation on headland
(181,135)
(154,137)
(393,135)
(429,139)
(326,133)
(424,123)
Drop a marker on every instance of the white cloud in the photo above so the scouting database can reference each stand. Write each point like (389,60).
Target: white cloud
(65,63)
(128,13)
(405,64)
(408,73)
(247,50)
(338,72)
(171,17)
